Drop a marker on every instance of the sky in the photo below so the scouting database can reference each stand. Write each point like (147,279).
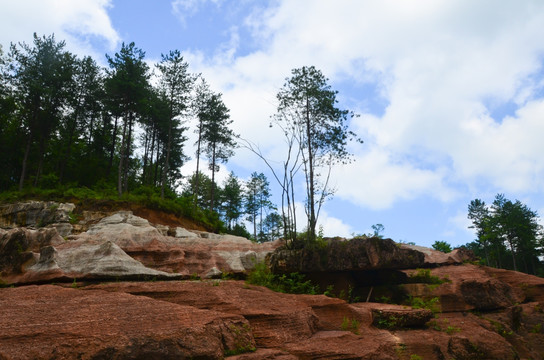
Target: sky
(450,94)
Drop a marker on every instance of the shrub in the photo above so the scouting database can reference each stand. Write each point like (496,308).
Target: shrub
(292,283)
(432,304)
(424,276)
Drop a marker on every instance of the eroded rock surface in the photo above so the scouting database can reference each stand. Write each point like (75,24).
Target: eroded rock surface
(52,322)
(480,312)
(119,246)
(216,318)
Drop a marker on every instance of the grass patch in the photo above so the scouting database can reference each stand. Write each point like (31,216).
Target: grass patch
(293,283)
(424,276)
(432,304)
(350,325)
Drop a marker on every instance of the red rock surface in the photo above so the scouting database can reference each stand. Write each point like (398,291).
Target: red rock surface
(42,322)
(208,319)
(485,313)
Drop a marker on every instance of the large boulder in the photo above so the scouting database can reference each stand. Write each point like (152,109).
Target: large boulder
(37,214)
(19,248)
(472,287)
(359,254)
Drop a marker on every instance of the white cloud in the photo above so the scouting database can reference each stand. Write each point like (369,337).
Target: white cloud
(436,63)
(376,180)
(333,226)
(184,9)
(80,23)
(459,223)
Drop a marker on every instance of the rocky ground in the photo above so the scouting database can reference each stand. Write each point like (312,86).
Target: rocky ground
(114,285)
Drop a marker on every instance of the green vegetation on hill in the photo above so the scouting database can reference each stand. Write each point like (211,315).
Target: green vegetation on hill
(509,235)
(144,196)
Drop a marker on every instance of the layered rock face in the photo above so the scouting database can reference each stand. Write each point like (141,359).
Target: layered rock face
(449,309)
(116,247)
(213,319)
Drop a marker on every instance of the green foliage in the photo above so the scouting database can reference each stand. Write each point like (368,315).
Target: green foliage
(388,322)
(424,276)
(452,329)
(500,328)
(293,283)
(432,304)
(350,325)
(415,357)
(442,246)
(242,340)
(307,110)
(536,328)
(257,202)
(508,235)
(329,291)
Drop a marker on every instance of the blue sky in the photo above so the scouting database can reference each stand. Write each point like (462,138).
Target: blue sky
(450,93)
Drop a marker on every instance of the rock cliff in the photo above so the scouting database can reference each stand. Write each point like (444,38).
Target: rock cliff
(67,296)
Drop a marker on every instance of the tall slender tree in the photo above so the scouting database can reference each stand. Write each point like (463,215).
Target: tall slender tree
(217,137)
(257,202)
(307,107)
(128,84)
(232,200)
(175,84)
(202,96)
(84,111)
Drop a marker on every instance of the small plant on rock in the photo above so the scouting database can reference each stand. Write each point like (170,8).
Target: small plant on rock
(350,325)
(452,329)
(537,328)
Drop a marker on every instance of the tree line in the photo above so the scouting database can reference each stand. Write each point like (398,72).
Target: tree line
(508,235)
(66,121)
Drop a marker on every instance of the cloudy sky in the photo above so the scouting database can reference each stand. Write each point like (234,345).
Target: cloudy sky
(450,93)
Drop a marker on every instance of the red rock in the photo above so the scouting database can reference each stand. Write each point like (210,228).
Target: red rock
(471,287)
(266,311)
(41,322)
(438,258)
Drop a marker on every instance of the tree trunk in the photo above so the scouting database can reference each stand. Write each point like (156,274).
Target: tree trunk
(25,162)
(127,152)
(311,230)
(213,179)
(167,162)
(112,149)
(66,156)
(156,165)
(513,255)
(40,162)
(146,152)
(121,160)
(195,190)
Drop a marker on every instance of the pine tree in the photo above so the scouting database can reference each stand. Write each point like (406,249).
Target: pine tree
(175,84)
(308,112)
(217,137)
(127,86)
